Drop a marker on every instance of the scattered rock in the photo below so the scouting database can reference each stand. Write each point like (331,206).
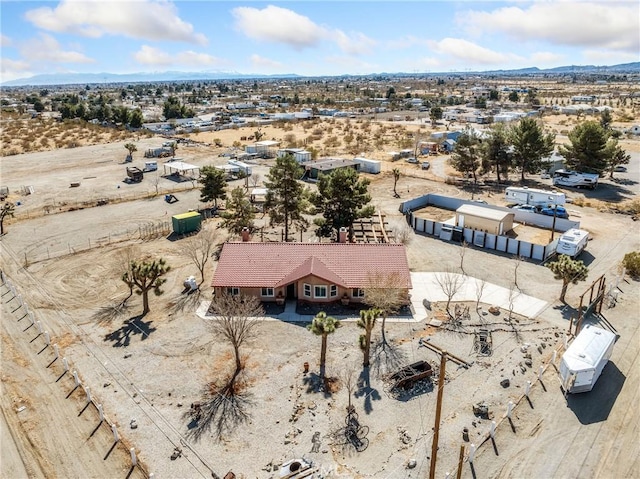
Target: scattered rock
(412,463)
(481,410)
(106,385)
(127,356)
(528,362)
(179,404)
(133,424)
(505,383)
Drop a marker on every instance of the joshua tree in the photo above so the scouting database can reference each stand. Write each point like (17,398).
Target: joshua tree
(7,209)
(569,271)
(130,148)
(386,293)
(323,325)
(367,322)
(146,276)
(396,177)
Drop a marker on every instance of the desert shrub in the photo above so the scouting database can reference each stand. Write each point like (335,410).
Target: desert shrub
(217,142)
(290,140)
(631,262)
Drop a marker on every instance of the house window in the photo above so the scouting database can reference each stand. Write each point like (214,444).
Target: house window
(320,291)
(307,290)
(357,293)
(267,292)
(334,290)
(233,291)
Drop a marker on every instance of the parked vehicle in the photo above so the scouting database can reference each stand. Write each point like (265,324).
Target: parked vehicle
(412,160)
(425,165)
(557,211)
(575,180)
(532,208)
(620,169)
(533,196)
(150,165)
(134,174)
(583,361)
(572,242)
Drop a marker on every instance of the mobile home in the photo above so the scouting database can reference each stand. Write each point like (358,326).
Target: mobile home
(585,358)
(533,196)
(572,242)
(368,166)
(575,179)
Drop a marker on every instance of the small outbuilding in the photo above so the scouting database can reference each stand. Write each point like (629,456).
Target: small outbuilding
(489,220)
(315,169)
(185,223)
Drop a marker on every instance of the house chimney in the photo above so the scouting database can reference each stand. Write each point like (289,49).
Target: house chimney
(245,234)
(342,235)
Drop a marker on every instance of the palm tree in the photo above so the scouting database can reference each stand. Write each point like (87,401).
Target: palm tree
(396,177)
(323,325)
(367,321)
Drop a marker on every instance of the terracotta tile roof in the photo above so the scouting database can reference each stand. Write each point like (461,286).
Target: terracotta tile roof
(350,265)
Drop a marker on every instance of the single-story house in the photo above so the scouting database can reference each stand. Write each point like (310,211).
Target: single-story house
(308,272)
(315,169)
(489,220)
(300,154)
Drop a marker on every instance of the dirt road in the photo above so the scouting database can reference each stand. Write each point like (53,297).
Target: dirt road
(42,410)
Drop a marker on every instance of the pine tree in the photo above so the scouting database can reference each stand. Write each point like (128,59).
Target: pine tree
(286,199)
(214,184)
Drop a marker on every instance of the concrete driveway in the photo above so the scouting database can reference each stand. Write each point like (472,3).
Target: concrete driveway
(427,286)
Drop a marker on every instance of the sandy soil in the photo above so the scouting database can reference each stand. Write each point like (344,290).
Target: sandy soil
(65,264)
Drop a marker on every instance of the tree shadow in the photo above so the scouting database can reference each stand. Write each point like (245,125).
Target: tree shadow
(220,412)
(121,337)
(109,313)
(365,390)
(315,383)
(186,301)
(387,357)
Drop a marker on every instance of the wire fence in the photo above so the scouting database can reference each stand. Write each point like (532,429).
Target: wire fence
(144,232)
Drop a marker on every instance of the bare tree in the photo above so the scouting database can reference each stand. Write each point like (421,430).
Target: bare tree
(255,179)
(199,249)
(450,283)
(518,262)
(462,251)
(155,181)
(403,233)
(386,293)
(225,402)
(235,321)
(349,380)
(480,285)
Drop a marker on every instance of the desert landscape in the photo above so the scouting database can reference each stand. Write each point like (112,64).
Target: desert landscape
(62,258)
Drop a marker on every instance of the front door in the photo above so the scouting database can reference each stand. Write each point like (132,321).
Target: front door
(291,291)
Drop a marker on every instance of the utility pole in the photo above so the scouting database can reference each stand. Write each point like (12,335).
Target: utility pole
(553,226)
(436,429)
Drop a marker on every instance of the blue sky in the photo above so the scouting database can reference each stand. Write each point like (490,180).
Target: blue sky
(313,38)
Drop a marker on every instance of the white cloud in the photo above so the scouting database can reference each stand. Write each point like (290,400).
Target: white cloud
(355,43)
(5,41)
(281,25)
(46,48)
(278,25)
(607,57)
(136,19)
(470,53)
(608,25)
(13,69)
(261,62)
(154,56)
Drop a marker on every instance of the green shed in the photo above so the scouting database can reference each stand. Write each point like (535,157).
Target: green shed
(186,222)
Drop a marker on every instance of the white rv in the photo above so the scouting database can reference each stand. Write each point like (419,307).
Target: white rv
(575,179)
(533,196)
(585,358)
(572,242)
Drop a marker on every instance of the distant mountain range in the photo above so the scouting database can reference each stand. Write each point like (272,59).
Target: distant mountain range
(172,76)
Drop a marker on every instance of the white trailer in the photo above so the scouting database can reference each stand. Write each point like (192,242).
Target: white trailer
(585,358)
(243,167)
(533,196)
(368,166)
(572,242)
(575,179)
